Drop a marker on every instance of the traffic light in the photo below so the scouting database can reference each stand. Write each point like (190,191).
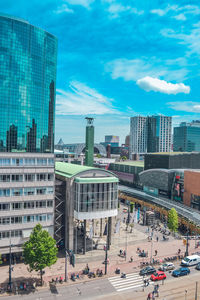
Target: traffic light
(72,258)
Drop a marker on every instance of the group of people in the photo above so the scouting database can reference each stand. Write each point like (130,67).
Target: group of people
(122,252)
(154,294)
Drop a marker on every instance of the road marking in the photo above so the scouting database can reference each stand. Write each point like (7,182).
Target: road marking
(132,281)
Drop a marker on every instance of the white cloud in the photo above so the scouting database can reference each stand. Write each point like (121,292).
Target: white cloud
(174,69)
(192,39)
(162,12)
(188,106)
(154,84)
(62,9)
(180,17)
(82,100)
(115,9)
(84,3)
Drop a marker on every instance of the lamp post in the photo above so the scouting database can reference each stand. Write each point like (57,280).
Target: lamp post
(66,278)
(10,266)
(187,244)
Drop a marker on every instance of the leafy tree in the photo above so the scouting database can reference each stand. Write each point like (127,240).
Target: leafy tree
(0,259)
(173,220)
(40,250)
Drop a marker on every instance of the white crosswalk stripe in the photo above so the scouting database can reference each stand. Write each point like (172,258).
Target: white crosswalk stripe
(132,281)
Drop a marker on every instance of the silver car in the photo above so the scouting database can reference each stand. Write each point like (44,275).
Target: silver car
(167,267)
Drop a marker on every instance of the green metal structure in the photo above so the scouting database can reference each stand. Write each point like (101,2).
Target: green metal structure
(89,148)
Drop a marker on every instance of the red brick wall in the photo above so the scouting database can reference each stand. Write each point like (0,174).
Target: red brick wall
(191,185)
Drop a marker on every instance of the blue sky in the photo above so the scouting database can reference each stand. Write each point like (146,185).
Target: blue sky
(119,58)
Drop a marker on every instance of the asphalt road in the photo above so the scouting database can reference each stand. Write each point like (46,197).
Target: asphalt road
(98,289)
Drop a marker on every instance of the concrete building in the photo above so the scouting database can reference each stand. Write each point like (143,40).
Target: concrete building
(128,172)
(172,160)
(187,137)
(111,140)
(192,189)
(138,135)
(82,193)
(28,58)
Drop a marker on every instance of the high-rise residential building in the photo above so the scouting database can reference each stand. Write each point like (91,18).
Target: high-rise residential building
(138,135)
(187,137)
(150,134)
(28,58)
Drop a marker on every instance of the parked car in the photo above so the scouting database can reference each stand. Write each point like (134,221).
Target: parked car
(198,267)
(191,260)
(147,271)
(181,272)
(166,267)
(158,276)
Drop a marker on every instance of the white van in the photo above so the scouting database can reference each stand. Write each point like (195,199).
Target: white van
(190,261)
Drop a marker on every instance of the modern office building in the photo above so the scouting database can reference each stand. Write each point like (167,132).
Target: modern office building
(150,134)
(159,134)
(187,137)
(111,140)
(28,57)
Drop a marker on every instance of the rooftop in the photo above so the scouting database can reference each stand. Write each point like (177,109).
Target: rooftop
(70,170)
(135,163)
(171,153)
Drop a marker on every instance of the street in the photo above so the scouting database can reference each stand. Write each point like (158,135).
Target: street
(118,288)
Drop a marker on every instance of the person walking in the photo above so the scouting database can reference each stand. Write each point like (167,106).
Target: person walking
(149,296)
(157,238)
(156,252)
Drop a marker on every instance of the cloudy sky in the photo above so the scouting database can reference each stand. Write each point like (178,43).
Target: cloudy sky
(119,58)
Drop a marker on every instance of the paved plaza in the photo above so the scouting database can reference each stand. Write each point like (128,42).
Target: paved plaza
(128,240)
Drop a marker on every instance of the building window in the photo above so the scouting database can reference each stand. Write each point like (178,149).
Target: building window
(4,193)
(29,191)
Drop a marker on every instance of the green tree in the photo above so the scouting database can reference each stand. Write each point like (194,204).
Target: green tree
(0,259)
(40,250)
(173,220)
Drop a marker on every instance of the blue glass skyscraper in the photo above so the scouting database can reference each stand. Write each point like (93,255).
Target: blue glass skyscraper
(27,107)
(28,58)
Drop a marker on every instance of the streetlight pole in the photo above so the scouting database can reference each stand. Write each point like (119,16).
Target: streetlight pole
(187,244)
(10,267)
(66,265)
(196,290)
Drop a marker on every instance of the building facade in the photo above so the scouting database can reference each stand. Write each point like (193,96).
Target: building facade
(159,134)
(27,100)
(150,134)
(192,189)
(138,135)
(82,194)
(187,137)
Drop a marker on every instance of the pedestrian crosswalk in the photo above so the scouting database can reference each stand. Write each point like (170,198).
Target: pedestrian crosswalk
(132,281)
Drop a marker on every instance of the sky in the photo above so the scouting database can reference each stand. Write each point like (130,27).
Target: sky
(118,59)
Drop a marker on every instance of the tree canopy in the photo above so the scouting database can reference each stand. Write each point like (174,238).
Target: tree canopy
(173,220)
(40,250)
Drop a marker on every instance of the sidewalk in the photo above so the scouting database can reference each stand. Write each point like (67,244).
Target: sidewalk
(96,257)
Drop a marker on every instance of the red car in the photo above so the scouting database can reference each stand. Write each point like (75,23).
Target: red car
(158,276)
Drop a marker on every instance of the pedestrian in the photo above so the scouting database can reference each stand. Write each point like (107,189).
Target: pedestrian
(153,296)
(157,238)
(156,252)
(149,296)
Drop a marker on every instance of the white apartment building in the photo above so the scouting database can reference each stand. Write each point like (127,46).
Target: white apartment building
(138,135)
(26,197)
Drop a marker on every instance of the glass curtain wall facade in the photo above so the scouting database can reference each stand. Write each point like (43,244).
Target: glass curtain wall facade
(95,197)
(28,58)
